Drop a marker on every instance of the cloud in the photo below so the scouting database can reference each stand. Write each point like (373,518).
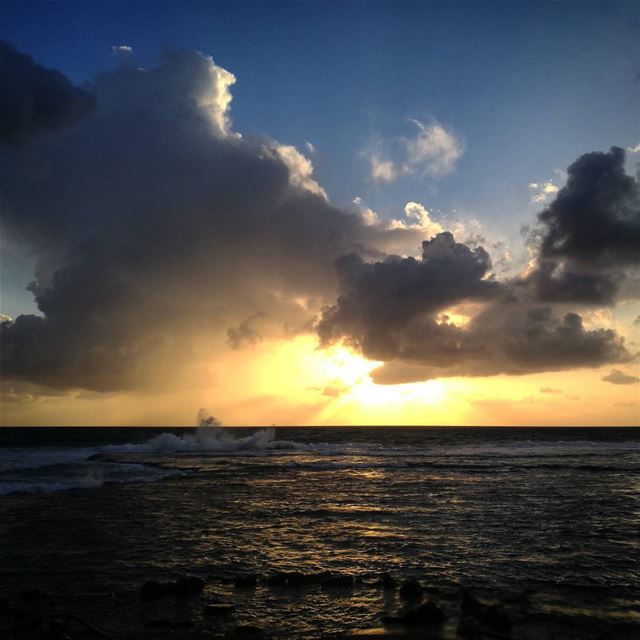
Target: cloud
(620,377)
(549,390)
(245,333)
(382,170)
(35,100)
(395,311)
(542,191)
(122,49)
(158,232)
(434,151)
(588,238)
(163,237)
(367,215)
(300,169)
(418,218)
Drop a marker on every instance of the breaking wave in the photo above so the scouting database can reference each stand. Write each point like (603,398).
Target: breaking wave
(208,439)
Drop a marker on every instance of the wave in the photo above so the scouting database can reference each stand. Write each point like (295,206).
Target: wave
(48,469)
(62,477)
(208,440)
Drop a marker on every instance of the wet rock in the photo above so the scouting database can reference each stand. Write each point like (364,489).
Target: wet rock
(411,589)
(35,595)
(277,580)
(426,614)
(469,627)
(158,624)
(516,597)
(186,587)
(297,579)
(248,631)
(181,588)
(152,590)
(488,615)
(248,581)
(341,581)
(218,609)
(184,624)
(388,581)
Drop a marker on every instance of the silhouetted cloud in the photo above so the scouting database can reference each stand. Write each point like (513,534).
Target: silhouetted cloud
(35,100)
(620,377)
(590,235)
(156,228)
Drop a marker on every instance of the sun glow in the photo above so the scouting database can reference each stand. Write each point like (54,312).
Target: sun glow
(345,377)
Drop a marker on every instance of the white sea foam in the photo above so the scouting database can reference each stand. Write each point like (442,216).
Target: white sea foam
(208,440)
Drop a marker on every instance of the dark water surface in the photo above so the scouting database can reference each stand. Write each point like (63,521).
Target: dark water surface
(555,511)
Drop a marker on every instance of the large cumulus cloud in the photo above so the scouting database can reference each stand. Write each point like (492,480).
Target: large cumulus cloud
(157,228)
(35,100)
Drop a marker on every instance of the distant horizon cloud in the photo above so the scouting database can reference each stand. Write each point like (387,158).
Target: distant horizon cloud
(620,377)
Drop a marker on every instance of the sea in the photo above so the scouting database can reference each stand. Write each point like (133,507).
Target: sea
(544,522)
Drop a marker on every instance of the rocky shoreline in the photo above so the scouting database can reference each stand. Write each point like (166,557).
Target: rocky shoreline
(193,607)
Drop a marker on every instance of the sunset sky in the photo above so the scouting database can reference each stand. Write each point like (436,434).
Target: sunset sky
(320,213)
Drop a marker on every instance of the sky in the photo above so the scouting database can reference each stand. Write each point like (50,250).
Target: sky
(320,213)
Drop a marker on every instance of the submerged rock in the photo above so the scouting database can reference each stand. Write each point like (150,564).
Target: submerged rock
(247,631)
(181,588)
(411,589)
(489,615)
(277,580)
(341,581)
(185,587)
(388,581)
(516,597)
(297,579)
(34,595)
(248,581)
(218,609)
(151,590)
(426,614)
(469,627)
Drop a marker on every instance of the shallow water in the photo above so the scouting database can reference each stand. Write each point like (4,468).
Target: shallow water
(556,511)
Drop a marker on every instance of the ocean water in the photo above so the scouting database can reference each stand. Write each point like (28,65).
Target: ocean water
(90,514)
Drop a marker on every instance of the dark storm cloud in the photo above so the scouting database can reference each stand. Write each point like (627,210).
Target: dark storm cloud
(245,333)
(508,337)
(35,100)
(156,228)
(590,234)
(379,300)
(390,311)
